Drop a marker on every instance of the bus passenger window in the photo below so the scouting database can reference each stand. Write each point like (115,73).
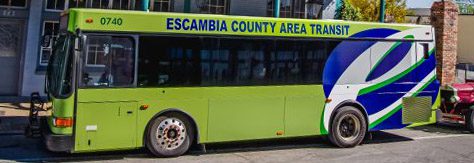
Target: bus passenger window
(108,62)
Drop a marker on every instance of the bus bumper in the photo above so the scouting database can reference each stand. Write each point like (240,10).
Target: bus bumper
(56,143)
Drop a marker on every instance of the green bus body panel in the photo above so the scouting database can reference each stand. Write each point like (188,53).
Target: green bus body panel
(63,108)
(162,23)
(220,113)
(301,117)
(116,128)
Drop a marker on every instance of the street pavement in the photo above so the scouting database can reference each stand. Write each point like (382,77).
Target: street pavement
(431,143)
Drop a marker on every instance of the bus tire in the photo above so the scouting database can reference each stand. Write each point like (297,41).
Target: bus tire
(170,135)
(469,119)
(348,127)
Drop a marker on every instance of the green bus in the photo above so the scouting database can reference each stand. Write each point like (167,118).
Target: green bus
(130,79)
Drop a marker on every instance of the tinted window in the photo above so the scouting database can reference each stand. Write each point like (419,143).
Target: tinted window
(246,61)
(169,62)
(186,61)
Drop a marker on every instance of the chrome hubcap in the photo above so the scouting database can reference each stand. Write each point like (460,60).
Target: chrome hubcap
(171,133)
(348,127)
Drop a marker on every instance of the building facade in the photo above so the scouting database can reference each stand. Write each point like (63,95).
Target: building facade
(23,23)
(465,35)
(419,16)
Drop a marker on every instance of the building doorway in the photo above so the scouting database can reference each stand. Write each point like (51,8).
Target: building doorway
(11,36)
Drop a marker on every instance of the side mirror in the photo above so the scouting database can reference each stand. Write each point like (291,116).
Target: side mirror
(80,40)
(46,41)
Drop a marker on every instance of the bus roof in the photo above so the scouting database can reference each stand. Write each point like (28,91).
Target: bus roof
(97,20)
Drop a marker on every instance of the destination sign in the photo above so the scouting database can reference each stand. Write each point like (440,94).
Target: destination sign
(255,27)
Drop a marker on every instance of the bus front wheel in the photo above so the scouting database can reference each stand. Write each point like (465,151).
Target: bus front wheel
(348,127)
(170,135)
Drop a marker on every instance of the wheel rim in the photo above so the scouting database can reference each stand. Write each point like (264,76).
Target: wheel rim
(171,133)
(348,127)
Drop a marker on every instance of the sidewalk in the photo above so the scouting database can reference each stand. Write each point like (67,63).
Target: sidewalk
(14,117)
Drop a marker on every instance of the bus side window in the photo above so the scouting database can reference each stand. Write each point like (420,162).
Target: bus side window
(426,53)
(108,62)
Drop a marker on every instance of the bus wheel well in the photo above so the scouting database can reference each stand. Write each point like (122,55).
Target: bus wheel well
(354,104)
(175,111)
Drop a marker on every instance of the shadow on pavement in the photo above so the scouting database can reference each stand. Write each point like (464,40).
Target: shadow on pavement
(20,148)
(13,124)
(443,128)
(379,137)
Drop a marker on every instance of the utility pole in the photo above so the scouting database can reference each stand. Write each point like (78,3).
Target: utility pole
(276,8)
(382,11)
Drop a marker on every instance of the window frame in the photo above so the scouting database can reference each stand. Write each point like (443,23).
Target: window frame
(16,7)
(291,12)
(80,66)
(208,5)
(170,5)
(88,4)
(66,4)
(87,56)
(51,44)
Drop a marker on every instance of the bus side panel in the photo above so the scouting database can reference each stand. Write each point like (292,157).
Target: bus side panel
(105,125)
(244,113)
(303,112)
(397,74)
(389,59)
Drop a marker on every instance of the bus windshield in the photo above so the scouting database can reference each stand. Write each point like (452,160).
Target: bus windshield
(59,72)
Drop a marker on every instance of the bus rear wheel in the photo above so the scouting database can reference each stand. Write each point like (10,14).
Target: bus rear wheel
(348,127)
(170,135)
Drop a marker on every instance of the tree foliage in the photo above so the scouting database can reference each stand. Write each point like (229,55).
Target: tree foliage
(368,10)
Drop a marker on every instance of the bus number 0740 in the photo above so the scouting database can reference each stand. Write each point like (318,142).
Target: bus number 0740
(109,20)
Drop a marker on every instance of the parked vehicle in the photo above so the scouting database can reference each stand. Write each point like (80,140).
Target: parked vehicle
(457,100)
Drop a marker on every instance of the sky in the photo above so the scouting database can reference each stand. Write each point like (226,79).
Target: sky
(419,3)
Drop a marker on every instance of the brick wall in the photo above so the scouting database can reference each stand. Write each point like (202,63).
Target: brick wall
(444,18)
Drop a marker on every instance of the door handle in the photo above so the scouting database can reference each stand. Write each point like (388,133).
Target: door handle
(129,112)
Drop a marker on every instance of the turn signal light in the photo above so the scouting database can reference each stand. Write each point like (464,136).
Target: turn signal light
(62,122)
(280,132)
(328,100)
(144,107)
